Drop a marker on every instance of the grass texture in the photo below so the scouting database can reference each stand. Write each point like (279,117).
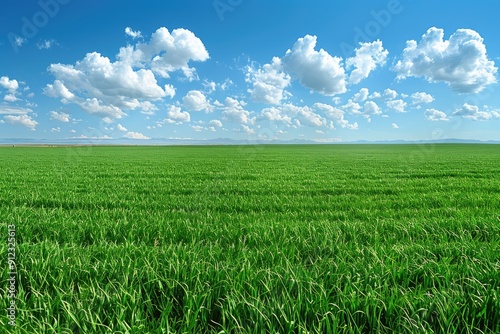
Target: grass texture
(253,239)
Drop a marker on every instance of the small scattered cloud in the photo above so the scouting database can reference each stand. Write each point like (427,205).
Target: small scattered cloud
(46,44)
(121,128)
(175,114)
(361,96)
(421,97)
(247,129)
(59,116)
(133,34)
(472,112)
(22,120)
(135,135)
(397,105)
(435,115)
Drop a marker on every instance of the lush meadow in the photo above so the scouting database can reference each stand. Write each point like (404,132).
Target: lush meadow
(253,239)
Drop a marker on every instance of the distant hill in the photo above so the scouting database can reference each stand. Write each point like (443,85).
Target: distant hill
(217,141)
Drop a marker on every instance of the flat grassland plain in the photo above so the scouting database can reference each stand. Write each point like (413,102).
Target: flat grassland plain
(253,239)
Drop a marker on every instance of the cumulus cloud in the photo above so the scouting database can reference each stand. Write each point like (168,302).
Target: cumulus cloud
(248,130)
(275,114)
(23,120)
(421,97)
(233,111)
(316,70)
(461,61)
(135,135)
(197,128)
(397,105)
(10,85)
(435,115)
(133,34)
(215,122)
(106,88)
(371,108)
(10,98)
(196,101)
(361,96)
(390,94)
(336,114)
(175,114)
(352,107)
(269,82)
(121,128)
(368,57)
(167,52)
(472,112)
(305,115)
(59,116)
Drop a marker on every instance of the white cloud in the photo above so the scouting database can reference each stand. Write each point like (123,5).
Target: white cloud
(133,34)
(58,129)
(46,44)
(233,111)
(336,114)
(305,115)
(121,128)
(316,70)
(361,96)
(13,110)
(269,82)
(371,108)
(10,98)
(106,88)
(175,114)
(395,126)
(210,86)
(472,112)
(167,52)
(435,115)
(196,101)
(461,61)
(390,94)
(275,114)
(352,107)
(20,41)
(368,57)
(397,105)
(10,85)
(23,120)
(59,116)
(215,122)
(197,128)
(135,135)
(169,91)
(421,97)
(247,129)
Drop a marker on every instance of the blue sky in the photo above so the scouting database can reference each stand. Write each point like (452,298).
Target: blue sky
(328,71)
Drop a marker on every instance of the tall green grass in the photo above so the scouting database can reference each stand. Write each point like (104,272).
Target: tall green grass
(278,239)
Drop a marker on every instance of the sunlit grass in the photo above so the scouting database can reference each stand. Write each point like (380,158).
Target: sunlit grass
(279,239)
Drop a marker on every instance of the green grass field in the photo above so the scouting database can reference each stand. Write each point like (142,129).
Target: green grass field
(253,239)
